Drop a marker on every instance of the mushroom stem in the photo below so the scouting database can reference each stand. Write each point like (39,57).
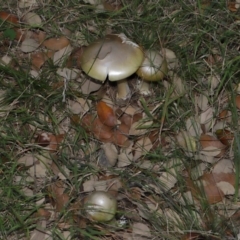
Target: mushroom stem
(144,88)
(123,90)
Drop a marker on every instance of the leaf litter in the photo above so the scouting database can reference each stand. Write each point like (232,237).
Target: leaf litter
(135,144)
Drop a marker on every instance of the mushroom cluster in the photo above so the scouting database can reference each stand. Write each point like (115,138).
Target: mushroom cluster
(115,57)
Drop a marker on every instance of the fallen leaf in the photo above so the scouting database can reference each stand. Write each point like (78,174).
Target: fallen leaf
(29,45)
(186,141)
(8,17)
(89,85)
(211,146)
(32,19)
(141,229)
(110,154)
(79,106)
(142,147)
(225,136)
(27,3)
(106,114)
(56,44)
(61,55)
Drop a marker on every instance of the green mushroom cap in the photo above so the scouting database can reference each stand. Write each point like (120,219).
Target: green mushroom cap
(154,67)
(113,56)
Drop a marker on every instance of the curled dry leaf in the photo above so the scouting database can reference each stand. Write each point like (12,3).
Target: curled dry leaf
(223,166)
(202,102)
(142,147)
(207,119)
(39,58)
(58,195)
(111,154)
(32,19)
(27,3)
(67,73)
(6,60)
(8,17)
(79,106)
(211,146)
(140,229)
(74,58)
(56,44)
(101,131)
(125,157)
(29,45)
(225,136)
(61,55)
(120,138)
(186,141)
(89,86)
(193,126)
(106,114)
(237,101)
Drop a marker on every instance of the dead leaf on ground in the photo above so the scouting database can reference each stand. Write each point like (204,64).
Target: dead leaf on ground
(106,114)
(32,19)
(79,106)
(142,147)
(29,45)
(61,55)
(56,44)
(57,193)
(186,141)
(141,229)
(211,146)
(109,156)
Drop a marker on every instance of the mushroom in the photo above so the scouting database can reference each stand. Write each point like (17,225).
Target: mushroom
(100,206)
(114,57)
(153,68)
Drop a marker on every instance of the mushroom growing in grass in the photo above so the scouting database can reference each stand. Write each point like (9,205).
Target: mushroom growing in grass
(153,68)
(114,57)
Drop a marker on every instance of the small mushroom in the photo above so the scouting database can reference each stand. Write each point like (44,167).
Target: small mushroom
(114,57)
(100,206)
(153,68)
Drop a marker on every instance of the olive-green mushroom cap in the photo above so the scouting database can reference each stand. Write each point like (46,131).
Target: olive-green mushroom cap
(154,66)
(113,56)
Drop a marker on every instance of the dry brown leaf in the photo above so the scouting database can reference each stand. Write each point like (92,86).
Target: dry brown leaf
(28,159)
(226,188)
(79,106)
(225,136)
(111,154)
(193,126)
(57,193)
(211,146)
(56,44)
(29,45)
(207,119)
(186,141)
(125,157)
(141,229)
(142,147)
(198,171)
(168,179)
(39,232)
(39,58)
(69,74)
(6,60)
(223,166)
(61,55)
(140,127)
(89,86)
(202,102)
(27,3)
(8,17)
(106,114)
(32,19)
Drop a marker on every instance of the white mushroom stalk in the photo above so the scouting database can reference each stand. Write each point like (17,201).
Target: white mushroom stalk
(114,57)
(153,68)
